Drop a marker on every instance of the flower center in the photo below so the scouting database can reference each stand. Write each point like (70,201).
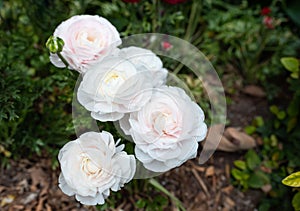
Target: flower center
(111,83)
(89,38)
(88,166)
(111,77)
(160,123)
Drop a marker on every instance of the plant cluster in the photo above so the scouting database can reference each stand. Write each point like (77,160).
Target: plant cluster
(277,154)
(250,37)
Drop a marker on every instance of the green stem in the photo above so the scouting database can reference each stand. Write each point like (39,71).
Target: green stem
(158,186)
(178,68)
(193,20)
(63,59)
(254,64)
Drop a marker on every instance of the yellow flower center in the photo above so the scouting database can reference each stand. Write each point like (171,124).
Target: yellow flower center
(89,167)
(111,83)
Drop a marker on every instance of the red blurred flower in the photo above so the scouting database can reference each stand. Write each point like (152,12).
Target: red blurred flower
(131,1)
(265,11)
(268,22)
(174,1)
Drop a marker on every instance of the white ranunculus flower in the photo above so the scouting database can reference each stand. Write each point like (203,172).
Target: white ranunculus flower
(88,39)
(144,59)
(114,87)
(92,165)
(166,130)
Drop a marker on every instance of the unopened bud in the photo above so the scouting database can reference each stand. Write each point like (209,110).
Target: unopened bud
(55,44)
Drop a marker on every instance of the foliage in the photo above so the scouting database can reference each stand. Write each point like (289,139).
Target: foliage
(292,9)
(280,137)
(292,121)
(249,173)
(240,38)
(35,97)
(293,180)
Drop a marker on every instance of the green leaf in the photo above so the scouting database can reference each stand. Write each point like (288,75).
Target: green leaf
(291,124)
(290,63)
(281,115)
(161,201)
(292,9)
(141,203)
(296,201)
(292,180)
(263,176)
(258,179)
(237,174)
(264,206)
(276,124)
(252,159)
(240,164)
(293,109)
(250,129)
(295,75)
(274,140)
(274,109)
(259,121)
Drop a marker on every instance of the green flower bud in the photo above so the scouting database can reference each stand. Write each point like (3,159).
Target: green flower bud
(55,44)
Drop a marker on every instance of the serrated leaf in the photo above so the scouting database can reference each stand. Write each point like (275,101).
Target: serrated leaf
(292,180)
(296,201)
(290,63)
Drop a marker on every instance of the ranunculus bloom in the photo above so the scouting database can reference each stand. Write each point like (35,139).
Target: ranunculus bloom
(88,39)
(120,84)
(114,87)
(146,60)
(174,1)
(166,130)
(92,165)
(265,11)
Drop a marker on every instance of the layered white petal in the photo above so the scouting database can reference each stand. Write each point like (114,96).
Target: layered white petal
(87,40)
(166,130)
(144,59)
(114,87)
(92,165)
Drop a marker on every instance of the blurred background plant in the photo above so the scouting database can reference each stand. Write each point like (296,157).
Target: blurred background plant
(251,40)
